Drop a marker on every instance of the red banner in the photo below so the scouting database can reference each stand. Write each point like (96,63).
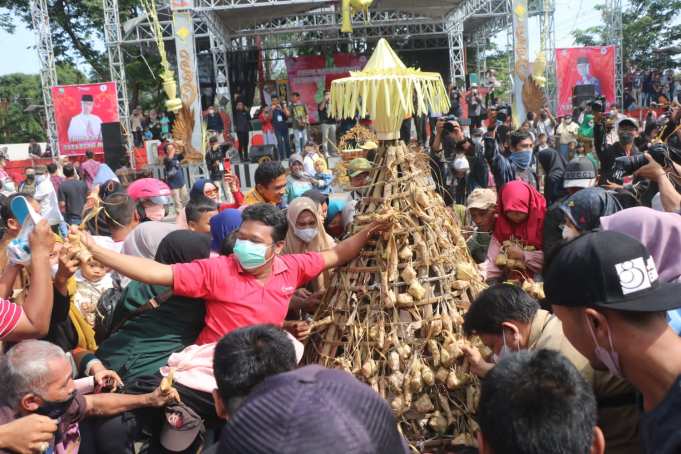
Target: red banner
(80,111)
(577,66)
(310,75)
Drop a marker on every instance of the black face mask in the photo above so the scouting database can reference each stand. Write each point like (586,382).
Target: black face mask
(56,409)
(626,138)
(30,177)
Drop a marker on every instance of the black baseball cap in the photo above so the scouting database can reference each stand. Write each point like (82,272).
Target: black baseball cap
(608,270)
(579,173)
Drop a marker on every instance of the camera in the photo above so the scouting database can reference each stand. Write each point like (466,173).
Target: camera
(598,104)
(626,165)
(449,118)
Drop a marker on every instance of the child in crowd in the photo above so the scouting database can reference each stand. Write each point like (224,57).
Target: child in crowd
(199,211)
(92,280)
(323,177)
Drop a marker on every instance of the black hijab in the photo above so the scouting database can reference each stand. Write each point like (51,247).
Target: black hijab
(183,246)
(552,161)
(554,165)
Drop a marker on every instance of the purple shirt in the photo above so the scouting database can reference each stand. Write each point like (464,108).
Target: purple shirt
(56,182)
(89,169)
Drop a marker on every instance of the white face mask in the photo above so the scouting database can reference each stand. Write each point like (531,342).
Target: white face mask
(610,359)
(569,232)
(306,235)
(40,178)
(505,350)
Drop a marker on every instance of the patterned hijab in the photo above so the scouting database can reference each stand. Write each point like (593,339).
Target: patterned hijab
(321,242)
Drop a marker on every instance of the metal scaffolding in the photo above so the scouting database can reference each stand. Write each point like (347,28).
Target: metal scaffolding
(457,58)
(614,27)
(237,25)
(113,39)
(48,69)
(548,32)
(218,46)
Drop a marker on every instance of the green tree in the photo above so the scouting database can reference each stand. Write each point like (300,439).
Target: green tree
(498,61)
(647,25)
(22,115)
(76,28)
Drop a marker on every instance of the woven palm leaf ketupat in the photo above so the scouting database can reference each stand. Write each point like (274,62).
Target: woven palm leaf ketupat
(393,316)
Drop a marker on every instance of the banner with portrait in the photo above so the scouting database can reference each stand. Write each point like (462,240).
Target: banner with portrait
(79,112)
(584,67)
(310,75)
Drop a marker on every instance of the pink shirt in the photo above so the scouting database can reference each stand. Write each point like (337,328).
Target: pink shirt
(235,298)
(10,314)
(534,260)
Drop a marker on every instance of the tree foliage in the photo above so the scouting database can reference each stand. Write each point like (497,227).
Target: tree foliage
(76,27)
(22,115)
(647,25)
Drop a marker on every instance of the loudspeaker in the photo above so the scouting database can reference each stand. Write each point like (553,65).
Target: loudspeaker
(113,144)
(583,93)
(258,152)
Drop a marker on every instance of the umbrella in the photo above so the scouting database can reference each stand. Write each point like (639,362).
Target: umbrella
(388,92)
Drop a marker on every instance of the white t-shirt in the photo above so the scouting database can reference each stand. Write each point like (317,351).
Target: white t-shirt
(49,203)
(85,127)
(567,132)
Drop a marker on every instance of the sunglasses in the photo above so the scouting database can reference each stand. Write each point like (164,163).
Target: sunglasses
(210,192)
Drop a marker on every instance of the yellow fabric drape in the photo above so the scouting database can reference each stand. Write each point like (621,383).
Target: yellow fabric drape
(86,334)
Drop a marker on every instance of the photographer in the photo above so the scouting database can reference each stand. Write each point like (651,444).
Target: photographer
(664,164)
(627,131)
(215,161)
(280,116)
(474,101)
(448,134)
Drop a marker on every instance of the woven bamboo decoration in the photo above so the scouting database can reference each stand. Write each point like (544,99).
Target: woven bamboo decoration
(393,316)
(388,92)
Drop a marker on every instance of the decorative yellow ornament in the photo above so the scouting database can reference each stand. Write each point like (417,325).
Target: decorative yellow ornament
(388,92)
(173,104)
(538,69)
(183,32)
(350,7)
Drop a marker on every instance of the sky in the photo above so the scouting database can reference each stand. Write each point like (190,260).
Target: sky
(19,55)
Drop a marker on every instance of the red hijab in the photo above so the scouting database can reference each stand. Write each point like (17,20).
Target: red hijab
(519,196)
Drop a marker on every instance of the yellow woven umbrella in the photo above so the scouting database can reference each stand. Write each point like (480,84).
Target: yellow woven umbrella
(388,92)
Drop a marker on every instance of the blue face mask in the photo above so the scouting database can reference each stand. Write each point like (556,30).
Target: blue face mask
(249,254)
(521,159)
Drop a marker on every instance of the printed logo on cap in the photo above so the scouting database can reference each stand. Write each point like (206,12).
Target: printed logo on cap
(636,275)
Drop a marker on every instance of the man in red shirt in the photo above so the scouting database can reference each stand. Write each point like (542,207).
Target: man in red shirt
(253,285)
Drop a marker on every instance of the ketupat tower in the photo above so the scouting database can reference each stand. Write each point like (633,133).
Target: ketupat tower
(393,316)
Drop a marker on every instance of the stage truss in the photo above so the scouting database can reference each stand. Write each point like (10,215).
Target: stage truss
(222,27)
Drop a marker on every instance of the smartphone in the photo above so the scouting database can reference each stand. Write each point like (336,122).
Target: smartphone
(228,166)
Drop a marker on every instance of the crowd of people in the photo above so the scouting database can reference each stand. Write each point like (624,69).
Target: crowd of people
(651,87)
(132,327)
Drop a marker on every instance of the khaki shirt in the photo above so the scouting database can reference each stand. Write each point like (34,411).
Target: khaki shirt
(619,421)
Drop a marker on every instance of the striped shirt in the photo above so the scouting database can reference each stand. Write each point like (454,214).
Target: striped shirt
(10,314)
